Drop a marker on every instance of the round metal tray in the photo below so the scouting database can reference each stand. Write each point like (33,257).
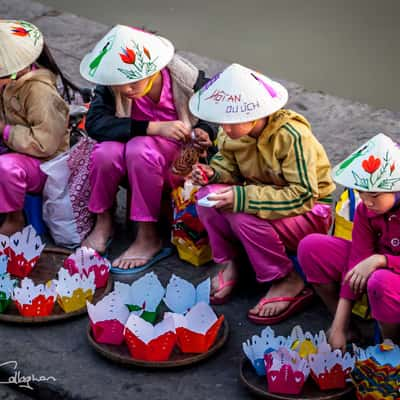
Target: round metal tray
(49,263)
(258,385)
(120,354)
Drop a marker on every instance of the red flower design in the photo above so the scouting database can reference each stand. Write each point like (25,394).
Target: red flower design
(392,168)
(146,51)
(371,165)
(129,56)
(19,31)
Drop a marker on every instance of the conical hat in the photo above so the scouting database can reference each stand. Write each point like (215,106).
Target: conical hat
(373,167)
(236,95)
(126,55)
(20,45)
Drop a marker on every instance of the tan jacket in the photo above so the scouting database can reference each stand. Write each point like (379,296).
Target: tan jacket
(184,76)
(282,173)
(37,114)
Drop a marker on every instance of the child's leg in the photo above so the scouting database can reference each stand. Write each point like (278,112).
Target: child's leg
(280,235)
(107,169)
(384,297)
(20,174)
(223,241)
(323,259)
(148,160)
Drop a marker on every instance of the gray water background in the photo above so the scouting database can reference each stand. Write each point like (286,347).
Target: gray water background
(347,48)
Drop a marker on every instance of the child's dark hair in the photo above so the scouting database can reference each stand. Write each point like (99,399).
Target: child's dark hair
(46,60)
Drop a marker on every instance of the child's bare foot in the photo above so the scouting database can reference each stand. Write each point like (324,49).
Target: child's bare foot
(13,223)
(224,282)
(101,233)
(142,250)
(290,286)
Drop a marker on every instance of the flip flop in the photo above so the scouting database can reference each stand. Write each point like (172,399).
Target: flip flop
(221,285)
(163,253)
(106,251)
(297,303)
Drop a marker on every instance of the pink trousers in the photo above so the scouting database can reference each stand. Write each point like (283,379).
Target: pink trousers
(265,241)
(20,174)
(146,162)
(324,260)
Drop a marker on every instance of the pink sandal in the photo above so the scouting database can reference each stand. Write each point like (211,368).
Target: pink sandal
(221,285)
(296,303)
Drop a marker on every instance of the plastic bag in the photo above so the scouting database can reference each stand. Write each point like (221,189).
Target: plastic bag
(66,195)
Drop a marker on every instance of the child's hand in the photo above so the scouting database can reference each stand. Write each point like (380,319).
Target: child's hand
(201,174)
(224,197)
(358,276)
(201,141)
(171,129)
(337,338)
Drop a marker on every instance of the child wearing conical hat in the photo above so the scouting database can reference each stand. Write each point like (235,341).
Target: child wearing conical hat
(341,270)
(33,116)
(270,186)
(140,118)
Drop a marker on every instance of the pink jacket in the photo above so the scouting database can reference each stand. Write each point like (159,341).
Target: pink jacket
(376,234)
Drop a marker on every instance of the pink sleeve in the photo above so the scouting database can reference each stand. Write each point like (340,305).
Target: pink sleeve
(393,262)
(362,246)
(6,132)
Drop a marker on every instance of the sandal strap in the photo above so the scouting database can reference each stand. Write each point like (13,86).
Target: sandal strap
(264,300)
(222,283)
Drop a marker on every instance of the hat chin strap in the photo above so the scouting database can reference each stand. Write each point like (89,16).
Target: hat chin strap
(149,84)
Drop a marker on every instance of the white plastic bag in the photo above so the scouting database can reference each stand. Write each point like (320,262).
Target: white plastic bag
(66,195)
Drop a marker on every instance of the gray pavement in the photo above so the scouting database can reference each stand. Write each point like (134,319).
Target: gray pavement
(62,351)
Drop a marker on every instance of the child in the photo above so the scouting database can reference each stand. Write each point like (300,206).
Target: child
(339,269)
(140,118)
(277,187)
(33,117)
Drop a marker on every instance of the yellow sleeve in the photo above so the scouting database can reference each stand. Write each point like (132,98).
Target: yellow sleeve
(299,161)
(47,122)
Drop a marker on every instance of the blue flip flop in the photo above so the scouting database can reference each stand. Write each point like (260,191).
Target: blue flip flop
(163,253)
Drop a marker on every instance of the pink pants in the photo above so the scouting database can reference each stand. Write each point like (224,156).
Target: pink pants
(324,260)
(20,174)
(146,161)
(265,241)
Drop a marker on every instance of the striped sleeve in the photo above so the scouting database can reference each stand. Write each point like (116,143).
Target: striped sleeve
(299,161)
(225,168)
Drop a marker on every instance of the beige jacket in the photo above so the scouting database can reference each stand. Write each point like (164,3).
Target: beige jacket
(37,114)
(282,173)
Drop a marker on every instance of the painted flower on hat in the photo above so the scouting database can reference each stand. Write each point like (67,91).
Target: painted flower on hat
(379,172)
(371,164)
(26,29)
(19,31)
(136,57)
(128,56)
(146,51)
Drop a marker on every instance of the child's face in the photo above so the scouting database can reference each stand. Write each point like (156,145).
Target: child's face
(379,203)
(236,131)
(133,90)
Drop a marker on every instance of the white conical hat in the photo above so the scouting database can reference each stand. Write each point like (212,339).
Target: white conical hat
(373,167)
(20,45)
(126,55)
(238,94)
